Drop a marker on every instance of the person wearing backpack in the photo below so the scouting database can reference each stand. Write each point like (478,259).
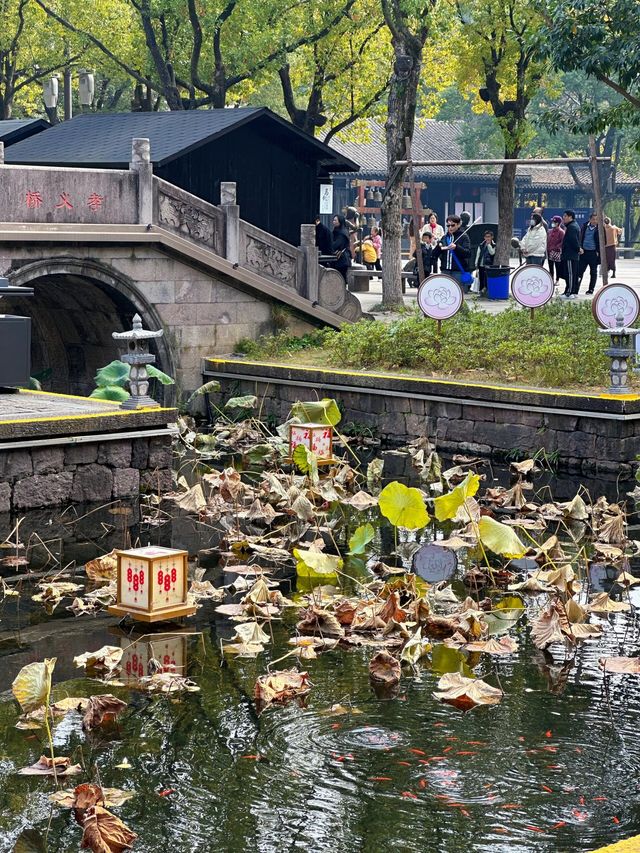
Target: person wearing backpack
(369,254)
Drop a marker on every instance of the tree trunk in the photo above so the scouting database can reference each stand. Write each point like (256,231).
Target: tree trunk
(506,199)
(400,123)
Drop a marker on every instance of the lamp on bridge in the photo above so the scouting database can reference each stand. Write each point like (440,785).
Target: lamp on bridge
(15,341)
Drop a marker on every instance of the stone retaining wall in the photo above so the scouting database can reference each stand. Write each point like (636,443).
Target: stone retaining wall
(591,434)
(92,471)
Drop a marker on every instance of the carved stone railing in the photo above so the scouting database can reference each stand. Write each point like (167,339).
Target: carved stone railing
(271,257)
(188,215)
(45,194)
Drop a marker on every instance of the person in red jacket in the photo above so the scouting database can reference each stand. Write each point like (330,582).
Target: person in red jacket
(555,236)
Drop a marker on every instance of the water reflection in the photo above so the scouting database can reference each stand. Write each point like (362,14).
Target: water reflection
(546,770)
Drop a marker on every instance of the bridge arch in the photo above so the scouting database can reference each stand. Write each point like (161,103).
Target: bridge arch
(77,304)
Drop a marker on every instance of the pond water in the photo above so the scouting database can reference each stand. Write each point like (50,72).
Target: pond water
(553,767)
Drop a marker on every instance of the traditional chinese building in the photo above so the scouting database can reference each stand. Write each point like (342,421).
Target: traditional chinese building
(278,168)
(452,189)
(16,129)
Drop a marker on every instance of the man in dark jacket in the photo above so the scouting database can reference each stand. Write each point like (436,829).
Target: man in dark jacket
(571,251)
(323,237)
(590,257)
(454,250)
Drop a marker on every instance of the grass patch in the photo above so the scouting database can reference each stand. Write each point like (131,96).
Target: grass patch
(561,347)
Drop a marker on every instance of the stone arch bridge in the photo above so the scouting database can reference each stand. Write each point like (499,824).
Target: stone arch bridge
(99,245)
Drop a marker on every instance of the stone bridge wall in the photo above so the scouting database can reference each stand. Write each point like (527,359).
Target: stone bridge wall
(202,313)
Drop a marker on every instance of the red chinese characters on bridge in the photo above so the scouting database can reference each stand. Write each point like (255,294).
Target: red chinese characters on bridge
(33,200)
(94,202)
(65,202)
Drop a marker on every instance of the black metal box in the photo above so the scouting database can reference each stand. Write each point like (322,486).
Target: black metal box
(15,350)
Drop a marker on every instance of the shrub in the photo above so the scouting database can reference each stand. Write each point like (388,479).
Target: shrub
(561,346)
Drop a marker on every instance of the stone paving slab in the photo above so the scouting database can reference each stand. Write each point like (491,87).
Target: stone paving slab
(32,414)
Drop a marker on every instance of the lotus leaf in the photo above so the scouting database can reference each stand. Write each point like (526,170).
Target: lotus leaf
(446,506)
(32,685)
(500,539)
(361,538)
(403,506)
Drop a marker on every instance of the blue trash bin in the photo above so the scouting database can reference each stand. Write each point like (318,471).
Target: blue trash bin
(498,282)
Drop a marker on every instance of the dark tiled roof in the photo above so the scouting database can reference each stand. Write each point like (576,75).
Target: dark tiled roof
(438,140)
(13,130)
(104,140)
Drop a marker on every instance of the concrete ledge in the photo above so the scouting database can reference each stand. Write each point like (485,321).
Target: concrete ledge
(588,433)
(38,414)
(481,394)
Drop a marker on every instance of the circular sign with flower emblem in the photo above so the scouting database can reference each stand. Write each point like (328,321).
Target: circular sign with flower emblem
(615,301)
(532,286)
(440,297)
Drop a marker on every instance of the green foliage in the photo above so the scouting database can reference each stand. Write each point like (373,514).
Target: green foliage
(273,346)
(361,538)
(112,378)
(560,347)
(600,38)
(306,462)
(211,387)
(403,506)
(317,412)
(112,393)
(114,373)
(163,378)
(446,506)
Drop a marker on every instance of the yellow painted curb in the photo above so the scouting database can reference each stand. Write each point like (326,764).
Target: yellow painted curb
(630,845)
(405,378)
(67,396)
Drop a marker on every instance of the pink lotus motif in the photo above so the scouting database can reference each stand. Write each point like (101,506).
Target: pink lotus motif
(617,306)
(533,286)
(440,297)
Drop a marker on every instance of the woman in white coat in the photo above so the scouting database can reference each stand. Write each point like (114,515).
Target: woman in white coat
(432,226)
(534,243)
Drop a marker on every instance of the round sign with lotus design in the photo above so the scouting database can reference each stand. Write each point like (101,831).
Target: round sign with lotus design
(532,286)
(440,297)
(614,301)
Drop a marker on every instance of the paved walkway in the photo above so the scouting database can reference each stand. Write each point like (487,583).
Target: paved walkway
(628,272)
(30,406)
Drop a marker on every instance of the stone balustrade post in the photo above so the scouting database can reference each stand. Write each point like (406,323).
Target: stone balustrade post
(1,153)
(228,203)
(141,164)
(311,267)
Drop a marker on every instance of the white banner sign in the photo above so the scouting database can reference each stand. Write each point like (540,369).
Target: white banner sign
(326,198)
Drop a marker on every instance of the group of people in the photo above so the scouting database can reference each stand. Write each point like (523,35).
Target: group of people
(337,247)
(569,248)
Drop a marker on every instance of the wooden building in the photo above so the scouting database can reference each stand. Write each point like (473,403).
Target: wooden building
(452,189)
(277,167)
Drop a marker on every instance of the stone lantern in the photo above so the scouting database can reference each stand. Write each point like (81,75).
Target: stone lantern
(621,350)
(138,357)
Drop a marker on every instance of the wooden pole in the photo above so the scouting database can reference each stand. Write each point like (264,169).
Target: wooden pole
(524,161)
(597,197)
(414,213)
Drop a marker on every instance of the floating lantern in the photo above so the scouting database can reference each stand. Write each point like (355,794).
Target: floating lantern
(152,585)
(318,438)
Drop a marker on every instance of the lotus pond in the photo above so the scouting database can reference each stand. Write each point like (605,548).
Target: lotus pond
(530,743)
